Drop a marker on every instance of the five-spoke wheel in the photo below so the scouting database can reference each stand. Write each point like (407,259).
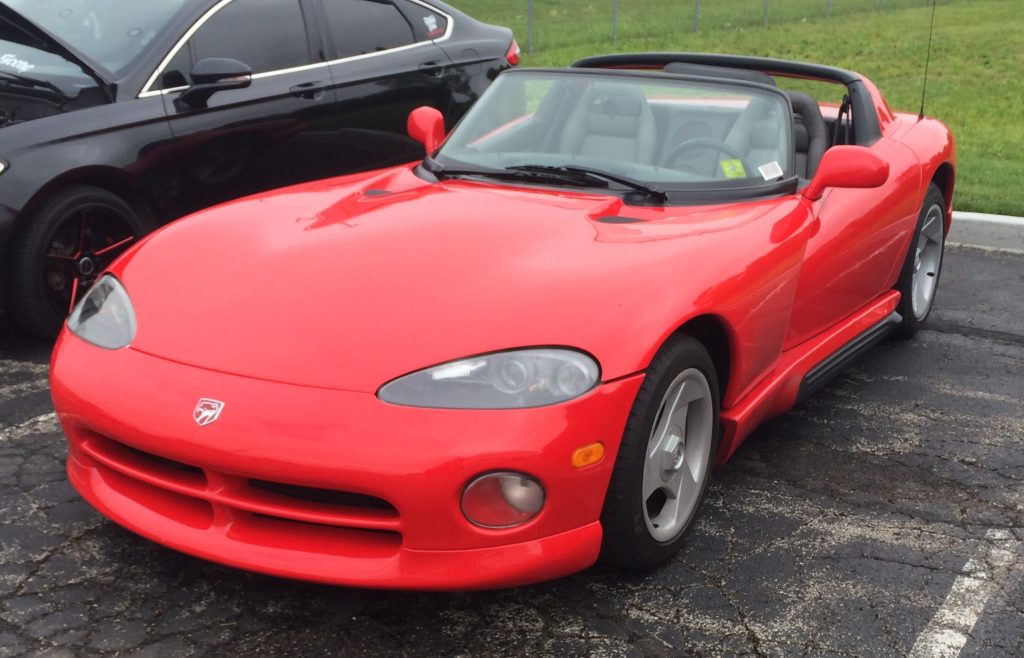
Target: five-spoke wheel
(665,458)
(67,243)
(678,455)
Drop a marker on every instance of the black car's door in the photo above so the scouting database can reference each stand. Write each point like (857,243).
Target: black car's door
(279,130)
(384,64)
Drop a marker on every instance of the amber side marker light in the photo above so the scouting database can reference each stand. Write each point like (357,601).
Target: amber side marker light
(588,455)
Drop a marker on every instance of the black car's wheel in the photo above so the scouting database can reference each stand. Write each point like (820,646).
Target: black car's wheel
(919,279)
(665,459)
(67,242)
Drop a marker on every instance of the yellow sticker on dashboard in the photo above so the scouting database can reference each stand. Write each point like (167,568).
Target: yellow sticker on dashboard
(733,168)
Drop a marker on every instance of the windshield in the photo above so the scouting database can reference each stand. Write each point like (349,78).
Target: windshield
(110,32)
(648,128)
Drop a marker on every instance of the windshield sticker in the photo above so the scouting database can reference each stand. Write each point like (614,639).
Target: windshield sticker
(771,171)
(19,65)
(733,169)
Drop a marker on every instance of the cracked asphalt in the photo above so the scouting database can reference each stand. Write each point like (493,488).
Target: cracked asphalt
(882,517)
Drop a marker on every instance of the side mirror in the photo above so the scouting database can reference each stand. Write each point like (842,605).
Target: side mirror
(426,126)
(211,75)
(847,166)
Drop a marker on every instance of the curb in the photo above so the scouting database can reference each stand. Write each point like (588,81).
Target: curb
(964,216)
(989,232)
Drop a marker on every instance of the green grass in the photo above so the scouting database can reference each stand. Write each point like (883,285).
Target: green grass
(974,86)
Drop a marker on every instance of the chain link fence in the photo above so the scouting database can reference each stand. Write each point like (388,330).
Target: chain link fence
(550,24)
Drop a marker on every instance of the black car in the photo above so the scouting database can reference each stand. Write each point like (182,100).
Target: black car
(117,117)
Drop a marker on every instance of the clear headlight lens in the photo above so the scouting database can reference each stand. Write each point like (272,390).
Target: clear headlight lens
(504,380)
(104,317)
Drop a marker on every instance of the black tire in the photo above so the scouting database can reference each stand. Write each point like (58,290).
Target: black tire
(45,279)
(628,542)
(914,320)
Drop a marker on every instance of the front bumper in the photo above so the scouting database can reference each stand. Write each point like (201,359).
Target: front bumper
(326,485)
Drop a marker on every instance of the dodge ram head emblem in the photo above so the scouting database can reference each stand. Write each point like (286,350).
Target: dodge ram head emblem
(207,411)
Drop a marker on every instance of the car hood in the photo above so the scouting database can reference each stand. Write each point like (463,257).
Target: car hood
(347,284)
(17,29)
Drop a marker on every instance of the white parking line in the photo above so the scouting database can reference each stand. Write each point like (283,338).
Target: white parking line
(45,423)
(947,632)
(963,216)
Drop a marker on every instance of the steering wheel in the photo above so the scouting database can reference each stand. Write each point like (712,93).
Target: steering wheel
(706,142)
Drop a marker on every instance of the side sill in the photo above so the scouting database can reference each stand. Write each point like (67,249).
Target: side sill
(822,373)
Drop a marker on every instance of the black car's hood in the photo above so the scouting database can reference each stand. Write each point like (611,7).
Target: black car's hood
(16,28)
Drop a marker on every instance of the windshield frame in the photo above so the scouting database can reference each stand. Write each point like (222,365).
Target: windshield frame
(679,192)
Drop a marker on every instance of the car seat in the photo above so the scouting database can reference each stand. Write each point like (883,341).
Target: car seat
(810,135)
(613,122)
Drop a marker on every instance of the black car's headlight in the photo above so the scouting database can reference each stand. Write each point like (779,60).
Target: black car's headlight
(104,316)
(515,379)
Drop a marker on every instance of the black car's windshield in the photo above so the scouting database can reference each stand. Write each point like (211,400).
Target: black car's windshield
(657,131)
(111,33)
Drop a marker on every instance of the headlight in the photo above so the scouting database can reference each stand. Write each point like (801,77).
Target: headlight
(3,166)
(503,380)
(104,317)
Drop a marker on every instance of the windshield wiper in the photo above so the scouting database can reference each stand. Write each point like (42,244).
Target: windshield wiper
(588,173)
(514,174)
(577,176)
(25,81)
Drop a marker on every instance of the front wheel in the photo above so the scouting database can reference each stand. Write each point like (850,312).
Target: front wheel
(919,278)
(665,459)
(67,243)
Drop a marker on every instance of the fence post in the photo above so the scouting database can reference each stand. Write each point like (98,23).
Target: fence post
(529,27)
(615,20)
(828,8)
(696,15)
(766,13)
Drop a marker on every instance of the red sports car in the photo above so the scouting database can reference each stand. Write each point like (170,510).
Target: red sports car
(525,352)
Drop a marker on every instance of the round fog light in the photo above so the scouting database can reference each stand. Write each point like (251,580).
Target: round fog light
(502,500)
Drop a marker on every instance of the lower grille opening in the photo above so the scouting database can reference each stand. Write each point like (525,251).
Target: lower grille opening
(326,496)
(264,530)
(163,461)
(137,463)
(383,534)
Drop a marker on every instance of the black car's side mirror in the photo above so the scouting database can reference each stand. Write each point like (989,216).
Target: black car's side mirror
(211,75)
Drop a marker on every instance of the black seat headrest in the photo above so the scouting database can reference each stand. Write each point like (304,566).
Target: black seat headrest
(706,71)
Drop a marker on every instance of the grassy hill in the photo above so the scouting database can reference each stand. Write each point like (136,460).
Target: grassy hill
(975,83)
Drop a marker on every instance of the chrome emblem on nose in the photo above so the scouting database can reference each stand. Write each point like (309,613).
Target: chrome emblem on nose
(207,411)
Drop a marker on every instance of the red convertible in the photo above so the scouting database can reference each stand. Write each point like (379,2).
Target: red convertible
(520,355)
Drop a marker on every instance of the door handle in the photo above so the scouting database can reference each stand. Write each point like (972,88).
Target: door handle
(311,91)
(432,69)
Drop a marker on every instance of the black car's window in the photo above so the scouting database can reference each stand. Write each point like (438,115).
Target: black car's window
(358,27)
(427,23)
(268,35)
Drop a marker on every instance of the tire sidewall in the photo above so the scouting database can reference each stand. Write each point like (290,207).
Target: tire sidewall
(627,539)
(911,323)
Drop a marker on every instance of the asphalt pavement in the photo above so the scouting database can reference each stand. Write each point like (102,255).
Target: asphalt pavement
(882,517)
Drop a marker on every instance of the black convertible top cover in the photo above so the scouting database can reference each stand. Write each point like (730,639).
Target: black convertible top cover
(704,70)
